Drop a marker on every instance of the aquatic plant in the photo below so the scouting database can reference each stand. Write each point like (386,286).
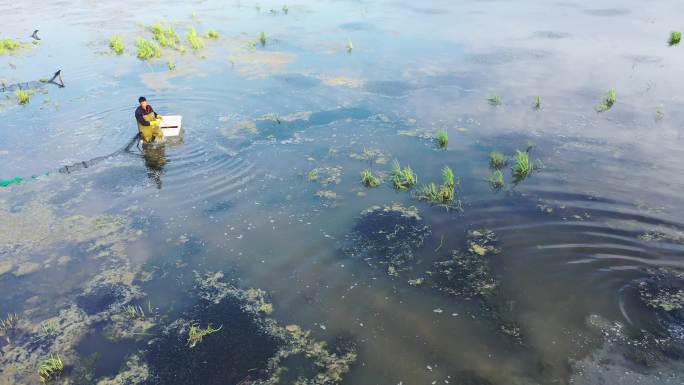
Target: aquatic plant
(171,65)
(48,328)
(494,100)
(403,178)
(537,102)
(659,114)
(196,334)
(50,368)
(194,40)
(442,138)
(166,37)
(368,179)
(523,167)
(675,37)
(608,102)
(213,34)
(9,322)
(134,312)
(147,49)
(443,194)
(285,9)
(350,45)
(23,96)
(496,180)
(8,45)
(117,45)
(262,38)
(497,160)
(313,175)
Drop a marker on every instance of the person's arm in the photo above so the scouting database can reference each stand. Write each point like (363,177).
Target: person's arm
(140,119)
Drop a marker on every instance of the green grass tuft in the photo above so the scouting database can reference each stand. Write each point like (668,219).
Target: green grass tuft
(608,102)
(263,38)
(403,178)
(213,34)
(443,194)
(23,96)
(8,45)
(494,100)
(194,40)
(50,368)
(285,9)
(522,167)
(147,49)
(497,179)
(350,45)
(537,102)
(134,312)
(117,45)
(442,138)
(48,328)
(368,179)
(196,334)
(313,175)
(171,65)
(497,160)
(675,37)
(166,37)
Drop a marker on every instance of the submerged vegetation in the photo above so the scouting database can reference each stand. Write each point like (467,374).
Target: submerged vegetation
(403,178)
(675,37)
(147,49)
(23,96)
(494,100)
(368,179)
(608,102)
(117,45)
(196,334)
(442,138)
(497,160)
(195,41)
(50,368)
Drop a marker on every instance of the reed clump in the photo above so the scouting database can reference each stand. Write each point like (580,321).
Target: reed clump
(610,99)
(443,194)
(195,41)
(496,180)
(368,179)
(497,160)
(263,38)
(442,138)
(403,178)
(165,36)
(675,37)
(50,368)
(147,49)
(117,45)
(23,96)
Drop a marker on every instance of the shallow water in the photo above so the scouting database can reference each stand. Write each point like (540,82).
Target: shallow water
(579,244)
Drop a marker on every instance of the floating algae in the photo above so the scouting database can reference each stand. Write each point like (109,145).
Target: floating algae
(388,236)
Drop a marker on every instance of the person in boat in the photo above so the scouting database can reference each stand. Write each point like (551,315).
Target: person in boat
(148,122)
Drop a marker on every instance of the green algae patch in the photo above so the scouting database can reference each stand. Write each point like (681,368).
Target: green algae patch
(388,236)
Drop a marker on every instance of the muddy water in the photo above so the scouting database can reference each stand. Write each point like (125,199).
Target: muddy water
(586,253)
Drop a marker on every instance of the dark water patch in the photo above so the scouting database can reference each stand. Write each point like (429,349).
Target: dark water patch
(357,26)
(219,208)
(388,236)
(606,12)
(507,56)
(299,81)
(283,129)
(100,298)
(106,356)
(119,179)
(391,88)
(469,377)
(551,35)
(226,357)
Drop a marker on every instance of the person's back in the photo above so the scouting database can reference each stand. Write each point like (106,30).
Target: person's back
(148,122)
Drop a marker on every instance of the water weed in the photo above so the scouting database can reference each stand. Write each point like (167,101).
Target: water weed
(608,102)
(494,100)
(134,312)
(23,96)
(442,138)
(523,166)
(497,160)
(117,45)
(9,322)
(285,9)
(496,180)
(213,34)
(8,45)
(537,102)
(166,37)
(675,37)
(50,368)
(403,178)
(196,334)
(147,49)
(368,179)
(444,194)
(194,40)
(48,328)
(312,175)
(171,65)
(350,46)
(263,38)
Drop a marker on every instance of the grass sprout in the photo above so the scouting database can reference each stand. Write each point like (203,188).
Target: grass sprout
(9,322)
(196,334)
(48,328)
(608,102)
(312,175)
(442,138)
(213,34)
(134,312)
(147,49)
(443,194)
(368,179)
(675,37)
(23,96)
(194,40)
(50,368)
(403,178)
(497,160)
(350,45)
(285,9)
(494,100)
(117,45)
(537,102)
(8,45)
(263,38)
(166,37)
(496,180)
(522,167)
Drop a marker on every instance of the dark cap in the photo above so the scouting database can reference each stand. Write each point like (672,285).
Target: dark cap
(142,99)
